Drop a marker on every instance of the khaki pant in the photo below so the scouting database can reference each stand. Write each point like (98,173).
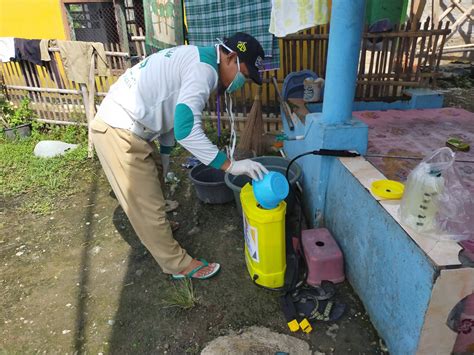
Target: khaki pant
(133,170)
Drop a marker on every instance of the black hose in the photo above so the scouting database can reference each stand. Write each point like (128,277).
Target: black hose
(322,152)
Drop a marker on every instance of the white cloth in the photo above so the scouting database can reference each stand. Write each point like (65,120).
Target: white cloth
(7,48)
(291,16)
(149,92)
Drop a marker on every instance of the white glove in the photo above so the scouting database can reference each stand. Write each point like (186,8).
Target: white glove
(165,161)
(247,167)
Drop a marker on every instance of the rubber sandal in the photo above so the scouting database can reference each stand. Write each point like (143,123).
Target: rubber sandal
(191,274)
(322,292)
(317,310)
(328,311)
(457,144)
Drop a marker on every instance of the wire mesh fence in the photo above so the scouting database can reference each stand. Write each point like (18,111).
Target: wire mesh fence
(93,22)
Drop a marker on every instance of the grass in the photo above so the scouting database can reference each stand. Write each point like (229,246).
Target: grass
(181,295)
(42,180)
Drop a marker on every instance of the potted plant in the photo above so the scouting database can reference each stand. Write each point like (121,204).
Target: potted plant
(16,120)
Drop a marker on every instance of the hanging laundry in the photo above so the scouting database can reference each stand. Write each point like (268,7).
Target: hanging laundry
(7,49)
(44,50)
(208,19)
(76,57)
(289,17)
(163,23)
(28,50)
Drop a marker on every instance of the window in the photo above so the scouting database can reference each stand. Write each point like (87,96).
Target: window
(93,21)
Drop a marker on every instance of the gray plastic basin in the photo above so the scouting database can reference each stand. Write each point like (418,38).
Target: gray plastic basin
(210,185)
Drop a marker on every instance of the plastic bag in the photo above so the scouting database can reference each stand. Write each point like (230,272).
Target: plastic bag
(49,149)
(435,202)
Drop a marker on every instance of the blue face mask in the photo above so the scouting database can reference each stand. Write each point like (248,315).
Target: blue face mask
(238,82)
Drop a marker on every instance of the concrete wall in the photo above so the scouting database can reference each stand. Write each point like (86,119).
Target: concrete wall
(35,19)
(391,274)
(419,99)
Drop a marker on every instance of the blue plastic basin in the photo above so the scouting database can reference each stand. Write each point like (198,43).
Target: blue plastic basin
(271,190)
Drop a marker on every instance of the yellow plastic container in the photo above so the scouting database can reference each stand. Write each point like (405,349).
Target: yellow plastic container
(264,232)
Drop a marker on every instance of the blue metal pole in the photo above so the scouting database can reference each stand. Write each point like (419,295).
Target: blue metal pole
(347,20)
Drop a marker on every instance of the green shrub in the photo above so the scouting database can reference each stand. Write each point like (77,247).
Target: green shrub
(65,133)
(211,133)
(14,116)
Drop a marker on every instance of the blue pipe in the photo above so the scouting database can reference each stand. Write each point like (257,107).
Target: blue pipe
(347,20)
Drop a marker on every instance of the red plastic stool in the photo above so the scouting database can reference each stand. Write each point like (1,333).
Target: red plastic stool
(323,257)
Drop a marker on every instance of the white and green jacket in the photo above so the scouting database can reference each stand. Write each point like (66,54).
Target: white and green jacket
(167,93)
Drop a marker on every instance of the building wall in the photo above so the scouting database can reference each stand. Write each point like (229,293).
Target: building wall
(40,19)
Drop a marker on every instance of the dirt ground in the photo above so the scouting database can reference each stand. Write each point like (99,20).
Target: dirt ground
(457,84)
(79,280)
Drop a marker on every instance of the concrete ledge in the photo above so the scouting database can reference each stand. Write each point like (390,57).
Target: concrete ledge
(442,253)
(399,275)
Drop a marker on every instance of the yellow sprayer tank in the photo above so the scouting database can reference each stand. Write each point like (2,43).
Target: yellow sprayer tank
(264,232)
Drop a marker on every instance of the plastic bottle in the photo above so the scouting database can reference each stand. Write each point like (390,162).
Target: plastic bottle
(420,202)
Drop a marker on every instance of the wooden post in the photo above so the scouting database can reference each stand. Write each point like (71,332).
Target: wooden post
(435,11)
(85,100)
(88,93)
(417,7)
(121,25)
(91,108)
